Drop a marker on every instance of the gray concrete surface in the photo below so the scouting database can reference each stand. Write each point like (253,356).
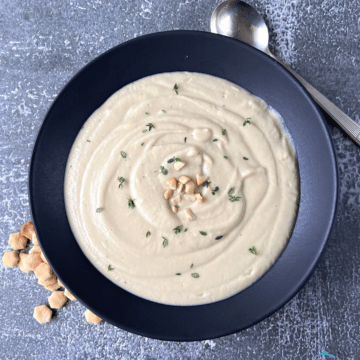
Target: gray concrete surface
(43,43)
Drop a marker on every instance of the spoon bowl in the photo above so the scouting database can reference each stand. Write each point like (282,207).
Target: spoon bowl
(239,20)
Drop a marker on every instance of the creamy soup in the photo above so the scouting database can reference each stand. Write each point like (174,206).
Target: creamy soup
(182,188)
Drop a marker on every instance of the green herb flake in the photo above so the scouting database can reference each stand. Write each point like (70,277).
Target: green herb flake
(191,266)
(176,88)
(110,268)
(213,192)
(219,237)
(142,144)
(186,230)
(121,181)
(148,233)
(163,111)
(144,131)
(253,251)
(173,160)
(177,206)
(131,203)
(247,121)
(203,233)
(165,242)
(206,183)
(195,275)
(234,198)
(178,274)
(224,132)
(99,210)
(151,126)
(215,140)
(231,197)
(177,229)
(226,157)
(163,170)
(88,140)
(123,154)
(245,158)
(147,113)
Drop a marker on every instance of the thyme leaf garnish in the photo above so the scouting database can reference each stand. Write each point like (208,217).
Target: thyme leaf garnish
(147,113)
(121,180)
(191,266)
(219,237)
(226,157)
(142,144)
(224,132)
(231,197)
(215,140)
(151,126)
(245,158)
(99,210)
(247,121)
(177,229)
(163,170)
(148,233)
(165,242)
(123,154)
(195,275)
(214,191)
(163,111)
(173,160)
(176,88)
(206,183)
(131,203)
(178,274)
(234,198)
(203,233)
(185,230)
(253,251)
(110,268)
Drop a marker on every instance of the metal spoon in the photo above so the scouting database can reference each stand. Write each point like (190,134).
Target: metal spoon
(239,20)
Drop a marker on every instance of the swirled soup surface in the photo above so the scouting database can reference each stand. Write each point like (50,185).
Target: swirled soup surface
(220,131)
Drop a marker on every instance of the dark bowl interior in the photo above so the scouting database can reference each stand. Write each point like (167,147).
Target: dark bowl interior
(204,53)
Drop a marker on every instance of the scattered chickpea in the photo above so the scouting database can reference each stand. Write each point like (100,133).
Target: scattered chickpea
(92,318)
(189,214)
(178,165)
(168,194)
(42,314)
(10,259)
(176,200)
(199,198)
(172,183)
(17,241)
(184,179)
(190,187)
(200,179)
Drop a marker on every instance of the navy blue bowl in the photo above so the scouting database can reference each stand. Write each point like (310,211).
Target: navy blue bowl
(203,53)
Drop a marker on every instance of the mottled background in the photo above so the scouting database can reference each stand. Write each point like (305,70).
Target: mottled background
(44,43)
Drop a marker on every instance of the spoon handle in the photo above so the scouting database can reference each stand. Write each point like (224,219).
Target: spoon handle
(345,122)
